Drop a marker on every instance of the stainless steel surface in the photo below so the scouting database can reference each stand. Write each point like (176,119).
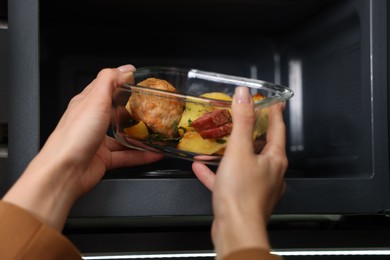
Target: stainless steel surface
(3,24)
(3,152)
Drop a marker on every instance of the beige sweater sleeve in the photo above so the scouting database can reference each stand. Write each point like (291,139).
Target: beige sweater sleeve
(252,254)
(22,236)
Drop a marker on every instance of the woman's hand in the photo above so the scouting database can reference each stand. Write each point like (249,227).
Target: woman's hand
(77,153)
(247,186)
(81,133)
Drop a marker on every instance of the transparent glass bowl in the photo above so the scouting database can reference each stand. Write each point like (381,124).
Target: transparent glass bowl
(185,113)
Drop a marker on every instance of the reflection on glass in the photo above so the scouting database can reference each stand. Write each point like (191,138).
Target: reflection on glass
(295,106)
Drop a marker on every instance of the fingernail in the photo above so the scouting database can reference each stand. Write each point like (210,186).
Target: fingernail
(242,95)
(126,68)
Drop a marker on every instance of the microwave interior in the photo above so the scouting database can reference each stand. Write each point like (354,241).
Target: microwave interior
(317,48)
(330,53)
(322,50)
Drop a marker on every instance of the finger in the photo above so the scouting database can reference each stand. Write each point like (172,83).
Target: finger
(109,79)
(113,145)
(129,158)
(204,174)
(126,70)
(243,120)
(276,132)
(98,93)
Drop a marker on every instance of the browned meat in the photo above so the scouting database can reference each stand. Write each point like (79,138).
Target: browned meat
(212,119)
(160,114)
(217,132)
(215,124)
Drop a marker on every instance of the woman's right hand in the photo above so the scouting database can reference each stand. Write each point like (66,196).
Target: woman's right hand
(247,186)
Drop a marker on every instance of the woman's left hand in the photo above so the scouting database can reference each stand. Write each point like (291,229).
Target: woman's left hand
(77,153)
(81,133)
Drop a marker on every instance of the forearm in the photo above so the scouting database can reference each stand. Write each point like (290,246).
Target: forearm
(71,164)
(45,190)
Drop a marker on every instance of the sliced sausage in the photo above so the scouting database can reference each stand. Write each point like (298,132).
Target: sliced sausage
(212,119)
(217,132)
(215,124)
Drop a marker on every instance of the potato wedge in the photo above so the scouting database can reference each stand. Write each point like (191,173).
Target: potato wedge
(261,122)
(193,142)
(218,96)
(138,131)
(191,112)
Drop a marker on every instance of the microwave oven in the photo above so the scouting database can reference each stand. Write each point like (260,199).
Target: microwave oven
(332,54)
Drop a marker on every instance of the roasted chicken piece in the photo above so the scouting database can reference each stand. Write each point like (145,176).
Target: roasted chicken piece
(160,114)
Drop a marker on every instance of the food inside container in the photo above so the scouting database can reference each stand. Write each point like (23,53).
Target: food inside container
(186,113)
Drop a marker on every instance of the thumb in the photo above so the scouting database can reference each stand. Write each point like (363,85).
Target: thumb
(243,119)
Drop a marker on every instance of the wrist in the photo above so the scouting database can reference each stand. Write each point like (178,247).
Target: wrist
(237,229)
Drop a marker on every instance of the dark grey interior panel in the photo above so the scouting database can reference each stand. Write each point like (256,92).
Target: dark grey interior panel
(327,65)
(4,86)
(24,91)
